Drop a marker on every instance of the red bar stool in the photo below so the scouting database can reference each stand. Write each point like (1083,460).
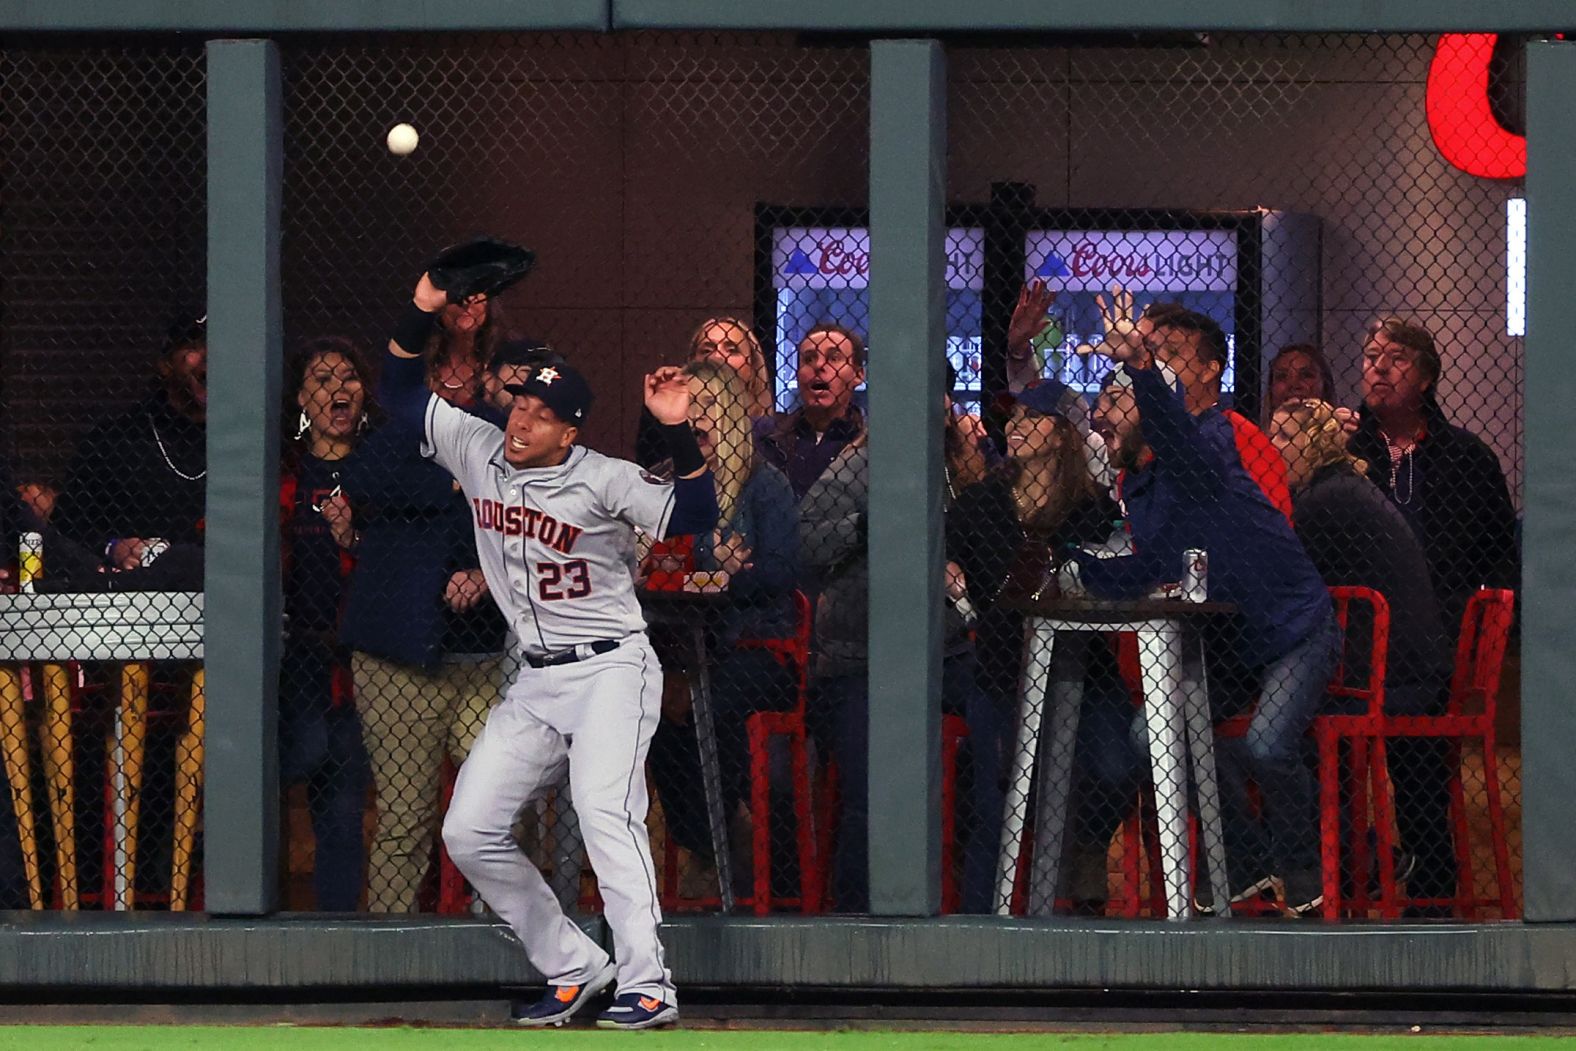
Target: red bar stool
(1469,717)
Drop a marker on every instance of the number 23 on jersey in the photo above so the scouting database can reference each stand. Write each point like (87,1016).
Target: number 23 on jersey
(562,580)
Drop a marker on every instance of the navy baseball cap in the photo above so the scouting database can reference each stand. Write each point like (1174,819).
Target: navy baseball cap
(564,390)
(1047,397)
(523,351)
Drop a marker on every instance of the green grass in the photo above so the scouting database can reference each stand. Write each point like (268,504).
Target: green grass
(332,1038)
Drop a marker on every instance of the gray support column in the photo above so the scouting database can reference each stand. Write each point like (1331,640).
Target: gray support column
(908,180)
(245,144)
(1548,777)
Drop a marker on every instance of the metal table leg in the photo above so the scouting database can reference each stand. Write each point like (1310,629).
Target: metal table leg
(1040,639)
(189,757)
(1160,659)
(19,772)
(60,773)
(1055,765)
(1206,787)
(125,774)
(710,771)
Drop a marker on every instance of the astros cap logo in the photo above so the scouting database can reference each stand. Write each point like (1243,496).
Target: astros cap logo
(547,376)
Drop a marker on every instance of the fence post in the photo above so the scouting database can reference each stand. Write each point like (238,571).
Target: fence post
(242,615)
(908,179)
(1549,518)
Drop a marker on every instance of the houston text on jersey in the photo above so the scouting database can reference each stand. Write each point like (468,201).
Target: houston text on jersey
(527,522)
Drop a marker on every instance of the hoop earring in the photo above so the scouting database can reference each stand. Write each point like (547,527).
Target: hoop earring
(304,426)
(361,424)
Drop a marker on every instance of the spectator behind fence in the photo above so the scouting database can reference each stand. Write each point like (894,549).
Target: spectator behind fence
(1357,537)
(319,733)
(1299,372)
(833,551)
(461,346)
(426,635)
(804,443)
(1184,487)
(753,556)
(1194,347)
(40,498)
(968,454)
(731,342)
(1004,534)
(1444,479)
(138,478)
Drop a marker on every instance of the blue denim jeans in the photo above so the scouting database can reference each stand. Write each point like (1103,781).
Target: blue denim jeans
(321,745)
(842,705)
(1284,836)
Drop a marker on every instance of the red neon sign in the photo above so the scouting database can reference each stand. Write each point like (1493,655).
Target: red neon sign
(1459,117)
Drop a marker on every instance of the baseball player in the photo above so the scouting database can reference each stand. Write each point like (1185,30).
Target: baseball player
(555,528)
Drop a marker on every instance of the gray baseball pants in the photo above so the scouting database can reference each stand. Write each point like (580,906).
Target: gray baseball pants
(597,715)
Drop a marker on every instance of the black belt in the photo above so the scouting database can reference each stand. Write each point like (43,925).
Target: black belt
(581,652)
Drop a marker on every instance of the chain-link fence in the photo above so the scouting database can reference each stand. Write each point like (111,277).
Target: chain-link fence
(1239,210)
(591,151)
(103,359)
(1319,455)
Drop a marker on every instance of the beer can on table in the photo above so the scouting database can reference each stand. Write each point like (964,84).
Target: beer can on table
(29,559)
(1195,575)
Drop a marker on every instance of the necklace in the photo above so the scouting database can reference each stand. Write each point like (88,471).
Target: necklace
(1398,456)
(159,440)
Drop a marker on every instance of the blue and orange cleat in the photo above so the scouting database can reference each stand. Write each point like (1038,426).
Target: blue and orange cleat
(561,1002)
(635,1011)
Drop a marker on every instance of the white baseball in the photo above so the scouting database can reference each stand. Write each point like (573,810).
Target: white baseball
(402,139)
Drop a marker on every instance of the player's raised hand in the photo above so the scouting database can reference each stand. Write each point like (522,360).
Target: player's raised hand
(668,395)
(429,296)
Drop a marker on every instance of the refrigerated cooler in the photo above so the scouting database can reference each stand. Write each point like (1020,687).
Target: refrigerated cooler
(1255,272)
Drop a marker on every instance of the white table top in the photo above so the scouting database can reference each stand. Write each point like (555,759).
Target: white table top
(101,626)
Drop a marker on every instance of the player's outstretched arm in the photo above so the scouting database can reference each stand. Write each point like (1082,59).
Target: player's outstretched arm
(694,496)
(403,389)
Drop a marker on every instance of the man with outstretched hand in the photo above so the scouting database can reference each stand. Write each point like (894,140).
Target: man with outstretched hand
(554,524)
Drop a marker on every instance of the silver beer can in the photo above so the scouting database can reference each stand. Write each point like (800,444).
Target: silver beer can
(1195,575)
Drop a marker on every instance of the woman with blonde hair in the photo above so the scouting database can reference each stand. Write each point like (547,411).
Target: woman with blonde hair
(753,559)
(1357,537)
(731,342)
(725,341)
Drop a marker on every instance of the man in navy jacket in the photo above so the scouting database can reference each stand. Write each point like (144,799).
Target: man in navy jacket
(1183,486)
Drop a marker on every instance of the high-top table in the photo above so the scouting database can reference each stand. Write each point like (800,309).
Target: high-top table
(690,613)
(1057,634)
(131,629)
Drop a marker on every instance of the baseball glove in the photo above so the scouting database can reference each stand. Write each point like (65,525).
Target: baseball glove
(480,266)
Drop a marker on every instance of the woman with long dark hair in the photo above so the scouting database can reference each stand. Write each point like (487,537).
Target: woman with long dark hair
(319,732)
(1006,535)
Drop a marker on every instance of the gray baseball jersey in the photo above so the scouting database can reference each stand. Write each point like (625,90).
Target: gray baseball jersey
(557,544)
